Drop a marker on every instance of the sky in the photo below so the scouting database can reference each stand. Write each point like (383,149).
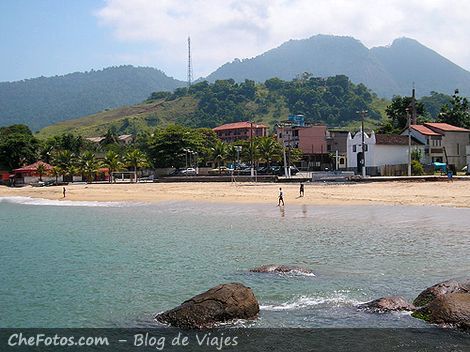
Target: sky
(55,37)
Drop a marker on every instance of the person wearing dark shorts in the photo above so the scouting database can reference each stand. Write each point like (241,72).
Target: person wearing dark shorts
(63,191)
(301,190)
(281,198)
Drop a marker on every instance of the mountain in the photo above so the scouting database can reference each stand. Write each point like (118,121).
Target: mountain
(42,101)
(388,71)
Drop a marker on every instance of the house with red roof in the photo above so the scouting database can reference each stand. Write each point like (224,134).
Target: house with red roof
(441,139)
(238,131)
(29,173)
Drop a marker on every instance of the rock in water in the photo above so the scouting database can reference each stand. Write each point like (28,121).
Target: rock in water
(453,308)
(442,288)
(388,304)
(282,269)
(222,303)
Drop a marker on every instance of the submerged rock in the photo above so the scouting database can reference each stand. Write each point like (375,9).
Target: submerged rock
(452,308)
(440,289)
(283,269)
(222,303)
(388,304)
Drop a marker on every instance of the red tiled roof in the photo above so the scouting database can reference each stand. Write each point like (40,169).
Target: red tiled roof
(445,127)
(425,131)
(238,125)
(34,167)
(394,139)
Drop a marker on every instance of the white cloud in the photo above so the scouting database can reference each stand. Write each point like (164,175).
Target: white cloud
(222,30)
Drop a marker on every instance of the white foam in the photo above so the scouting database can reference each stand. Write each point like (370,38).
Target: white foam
(62,203)
(338,299)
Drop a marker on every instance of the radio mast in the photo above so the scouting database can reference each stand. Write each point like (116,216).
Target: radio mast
(190,64)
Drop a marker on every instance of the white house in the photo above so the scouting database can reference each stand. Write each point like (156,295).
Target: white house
(380,150)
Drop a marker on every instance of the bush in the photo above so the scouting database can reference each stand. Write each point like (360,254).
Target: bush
(416,168)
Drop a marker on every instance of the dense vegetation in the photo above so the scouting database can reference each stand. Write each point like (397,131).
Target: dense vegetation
(388,71)
(43,101)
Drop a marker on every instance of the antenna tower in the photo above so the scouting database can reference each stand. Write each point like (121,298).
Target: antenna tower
(190,64)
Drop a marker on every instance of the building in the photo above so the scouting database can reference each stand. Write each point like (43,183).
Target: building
(454,141)
(123,139)
(380,150)
(310,139)
(432,141)
(441,140)
(29,173)
(239,131)
(336,143)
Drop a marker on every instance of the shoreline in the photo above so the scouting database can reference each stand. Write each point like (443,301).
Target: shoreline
(386,193)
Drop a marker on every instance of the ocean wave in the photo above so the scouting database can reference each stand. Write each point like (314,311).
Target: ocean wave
(62,203)
(338,299)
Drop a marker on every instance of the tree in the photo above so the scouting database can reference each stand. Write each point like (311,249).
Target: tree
(219,153)
(18,146)
(65,161)
(41,170)
(113,162)
(397,112)
(268,149)
(88,165)
(135,159)
(457,113)
(56,172)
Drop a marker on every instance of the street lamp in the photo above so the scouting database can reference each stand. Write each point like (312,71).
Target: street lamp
(409,140)
(363,114)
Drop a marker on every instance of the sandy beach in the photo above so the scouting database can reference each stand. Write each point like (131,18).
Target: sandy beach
(456,194)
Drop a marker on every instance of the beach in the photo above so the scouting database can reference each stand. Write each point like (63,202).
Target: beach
(456,194)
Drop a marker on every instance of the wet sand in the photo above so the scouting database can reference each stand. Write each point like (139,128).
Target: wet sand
(456,194)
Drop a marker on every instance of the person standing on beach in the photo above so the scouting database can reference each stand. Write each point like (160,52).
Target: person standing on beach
(281,197)
(301,190)
(63,191)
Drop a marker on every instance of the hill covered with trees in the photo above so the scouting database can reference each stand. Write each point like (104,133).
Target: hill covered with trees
(333,101)
(43,101)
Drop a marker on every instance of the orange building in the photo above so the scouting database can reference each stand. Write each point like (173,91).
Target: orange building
(231,132)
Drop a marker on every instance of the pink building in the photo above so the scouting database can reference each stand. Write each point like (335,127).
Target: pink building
(232,132)
(310,139)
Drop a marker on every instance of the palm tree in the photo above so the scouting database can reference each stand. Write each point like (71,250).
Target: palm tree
(219,153)
(56,171)
(112,161)
(88,165)
(135,159)
(64,160)
(41,170)
(268,149)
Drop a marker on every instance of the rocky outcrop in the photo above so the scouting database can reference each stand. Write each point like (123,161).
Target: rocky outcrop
(282,269)
(452,308)
(440,289)
(387,304)
(222,303)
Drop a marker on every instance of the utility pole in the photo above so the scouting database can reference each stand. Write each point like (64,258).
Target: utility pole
(409,140)
(190,64)
(363,114)
(252,171)
(413,105)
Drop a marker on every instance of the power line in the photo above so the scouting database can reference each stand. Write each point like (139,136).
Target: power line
(190,64)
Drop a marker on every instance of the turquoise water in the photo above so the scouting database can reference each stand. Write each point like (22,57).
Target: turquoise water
(108,265)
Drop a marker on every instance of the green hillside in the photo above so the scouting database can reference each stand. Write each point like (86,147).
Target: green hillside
(333,101)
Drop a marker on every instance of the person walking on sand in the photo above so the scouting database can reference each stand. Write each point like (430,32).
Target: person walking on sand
(281,197)
(301,192)
(63,191)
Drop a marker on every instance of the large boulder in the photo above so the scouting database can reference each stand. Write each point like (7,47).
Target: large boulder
(440,289)
(452,308)
(222,303)
(282,269)
(387,304)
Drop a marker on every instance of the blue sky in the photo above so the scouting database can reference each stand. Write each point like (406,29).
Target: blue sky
(49,37)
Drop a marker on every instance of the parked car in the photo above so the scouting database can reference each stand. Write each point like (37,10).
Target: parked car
(189,171)
(223,170)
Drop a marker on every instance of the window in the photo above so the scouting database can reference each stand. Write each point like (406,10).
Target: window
(366,147)
(354,148)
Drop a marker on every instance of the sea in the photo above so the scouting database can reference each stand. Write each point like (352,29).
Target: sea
(112,264)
